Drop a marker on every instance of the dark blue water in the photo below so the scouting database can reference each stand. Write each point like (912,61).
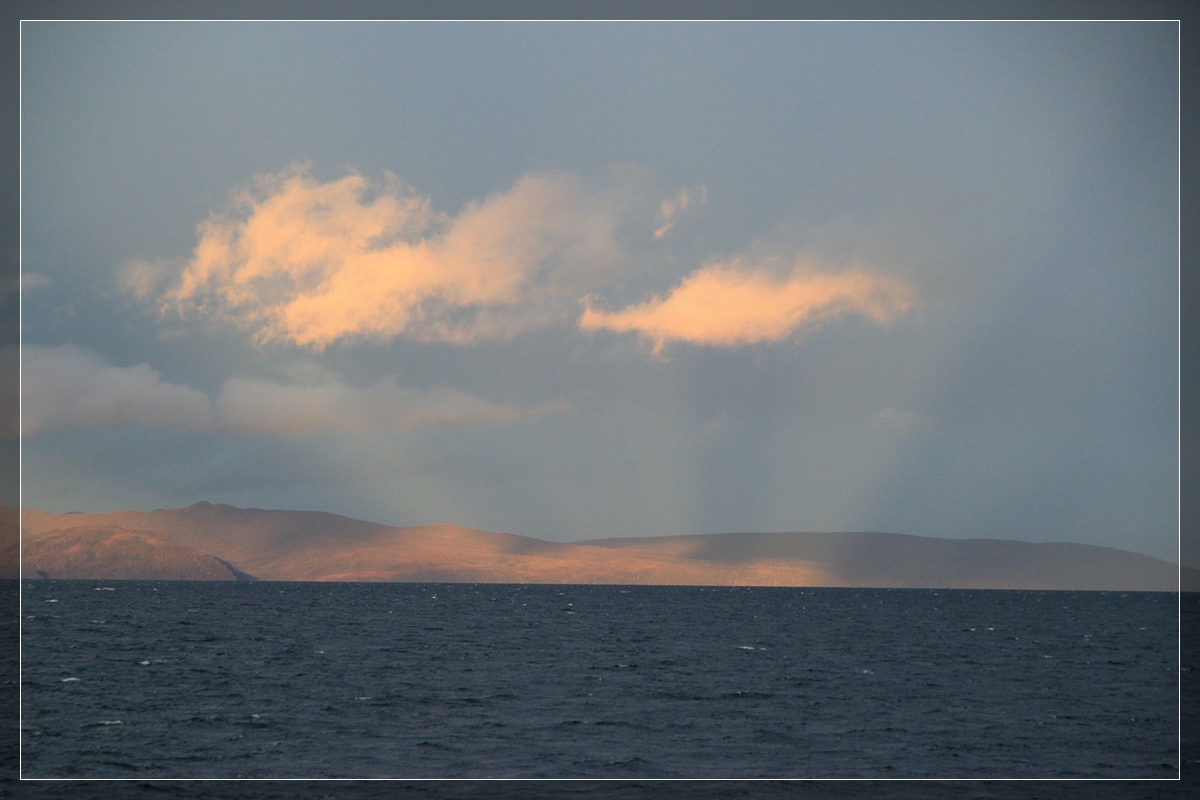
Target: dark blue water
(176,680)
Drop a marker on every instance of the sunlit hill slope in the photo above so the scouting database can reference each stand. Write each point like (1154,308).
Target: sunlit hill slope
(221,542)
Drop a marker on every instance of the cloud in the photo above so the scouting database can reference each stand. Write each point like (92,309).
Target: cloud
(25,282)
(31,281)
(264,406)
(10,395)
(312,264)
(669,208)
(69,388)
(730,304)
(143,278)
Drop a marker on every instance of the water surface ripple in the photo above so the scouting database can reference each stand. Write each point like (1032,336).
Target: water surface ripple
(292,680)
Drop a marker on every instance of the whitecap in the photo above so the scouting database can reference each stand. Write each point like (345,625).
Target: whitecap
(68,680)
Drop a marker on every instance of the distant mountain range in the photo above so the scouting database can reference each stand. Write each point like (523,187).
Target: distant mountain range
(221,542)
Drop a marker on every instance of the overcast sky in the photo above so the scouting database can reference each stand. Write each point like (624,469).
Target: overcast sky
(579,280)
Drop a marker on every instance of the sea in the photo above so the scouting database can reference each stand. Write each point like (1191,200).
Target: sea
(611,686)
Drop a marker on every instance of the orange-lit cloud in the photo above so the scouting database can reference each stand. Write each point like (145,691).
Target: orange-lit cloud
(310,263)
(297,261)
(68,387)
(730,304)
(669,208)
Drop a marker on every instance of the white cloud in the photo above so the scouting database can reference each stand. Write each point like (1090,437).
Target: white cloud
(27,281)
(255,405)
(32,281)
(10,396)
(68,387)
(143,278)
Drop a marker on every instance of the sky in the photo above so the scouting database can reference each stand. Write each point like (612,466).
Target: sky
(584,280)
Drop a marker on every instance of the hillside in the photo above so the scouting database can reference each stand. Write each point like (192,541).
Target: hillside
(219,542)
(108,551)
